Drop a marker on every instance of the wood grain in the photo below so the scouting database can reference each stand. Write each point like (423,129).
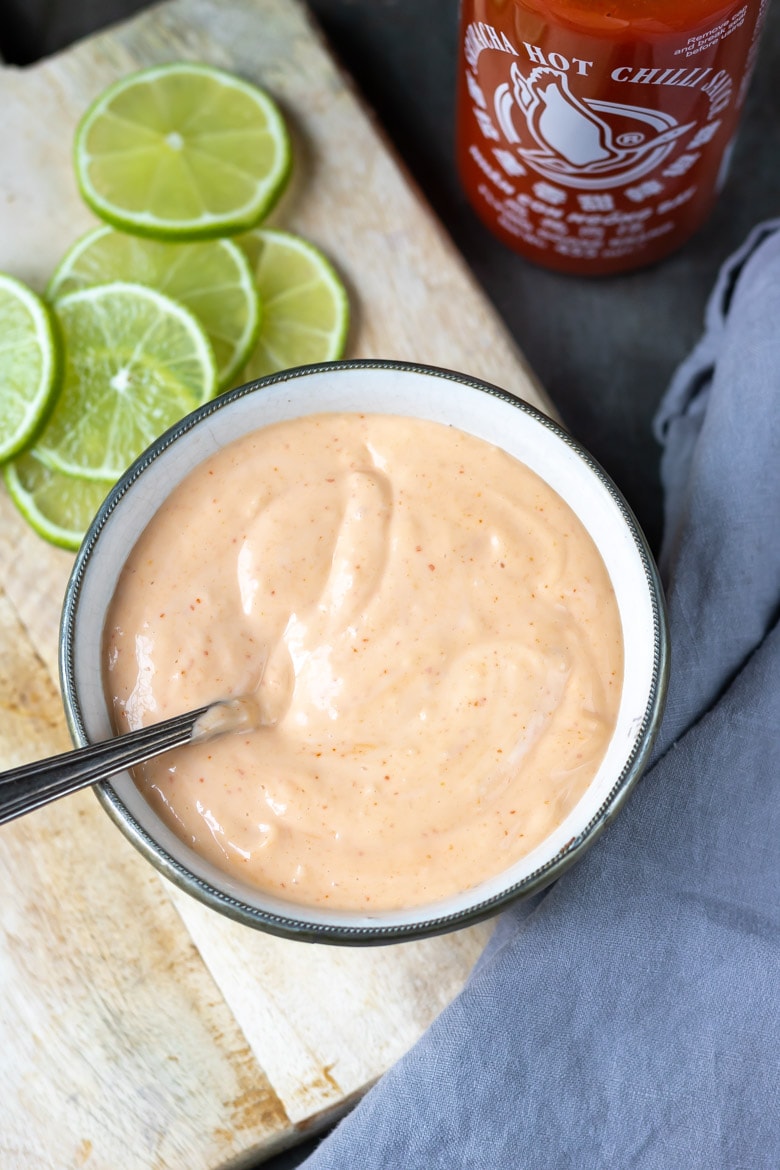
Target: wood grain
(138,1028)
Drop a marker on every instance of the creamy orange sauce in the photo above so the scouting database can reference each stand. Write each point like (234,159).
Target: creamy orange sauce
(431,633)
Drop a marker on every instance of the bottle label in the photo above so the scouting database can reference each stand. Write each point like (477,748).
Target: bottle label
(588,150)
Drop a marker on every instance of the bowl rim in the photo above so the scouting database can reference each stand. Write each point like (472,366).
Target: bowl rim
(299,928)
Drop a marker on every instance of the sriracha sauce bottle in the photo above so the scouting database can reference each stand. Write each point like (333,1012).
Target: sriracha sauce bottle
(593,137)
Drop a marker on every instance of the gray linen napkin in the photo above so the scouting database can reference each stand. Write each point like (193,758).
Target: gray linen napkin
(629,1016)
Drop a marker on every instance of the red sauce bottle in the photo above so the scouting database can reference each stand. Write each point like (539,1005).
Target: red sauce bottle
(593,137)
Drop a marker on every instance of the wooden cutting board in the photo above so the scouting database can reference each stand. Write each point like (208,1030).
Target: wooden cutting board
(137,1028)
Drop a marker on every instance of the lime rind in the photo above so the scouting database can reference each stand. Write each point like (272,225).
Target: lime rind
(148,157)
(211,278)
(59,507)
(135,363)
(306,311)
(232,351)
(27,395)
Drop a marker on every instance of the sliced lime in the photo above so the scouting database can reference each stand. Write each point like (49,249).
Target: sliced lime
(135,363)
(182,151)
(305,305)
(213,279)
(59,507)
(29,365)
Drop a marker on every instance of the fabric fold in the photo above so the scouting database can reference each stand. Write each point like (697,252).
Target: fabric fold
(720,558)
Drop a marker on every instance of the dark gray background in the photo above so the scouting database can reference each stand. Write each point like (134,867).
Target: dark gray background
(604,349)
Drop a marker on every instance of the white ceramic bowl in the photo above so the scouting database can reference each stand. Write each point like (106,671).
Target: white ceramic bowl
(387,388)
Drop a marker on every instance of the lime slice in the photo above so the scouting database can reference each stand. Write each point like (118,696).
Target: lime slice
(29,365)
(59,507)
(182,151)
(212,279)
(135,363)
(305,305)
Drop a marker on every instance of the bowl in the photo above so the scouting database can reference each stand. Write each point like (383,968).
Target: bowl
(385,387)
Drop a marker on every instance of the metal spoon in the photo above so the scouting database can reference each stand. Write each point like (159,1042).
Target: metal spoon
(32,785)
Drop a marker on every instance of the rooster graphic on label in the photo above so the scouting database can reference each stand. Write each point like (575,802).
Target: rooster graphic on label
(581,142)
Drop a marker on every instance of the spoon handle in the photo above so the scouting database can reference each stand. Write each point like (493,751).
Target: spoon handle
(33,785)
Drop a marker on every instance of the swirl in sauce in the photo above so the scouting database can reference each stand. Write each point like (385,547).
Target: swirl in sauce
(431,632)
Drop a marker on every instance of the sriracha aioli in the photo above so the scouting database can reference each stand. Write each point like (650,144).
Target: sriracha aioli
(593,138)
(431,634)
